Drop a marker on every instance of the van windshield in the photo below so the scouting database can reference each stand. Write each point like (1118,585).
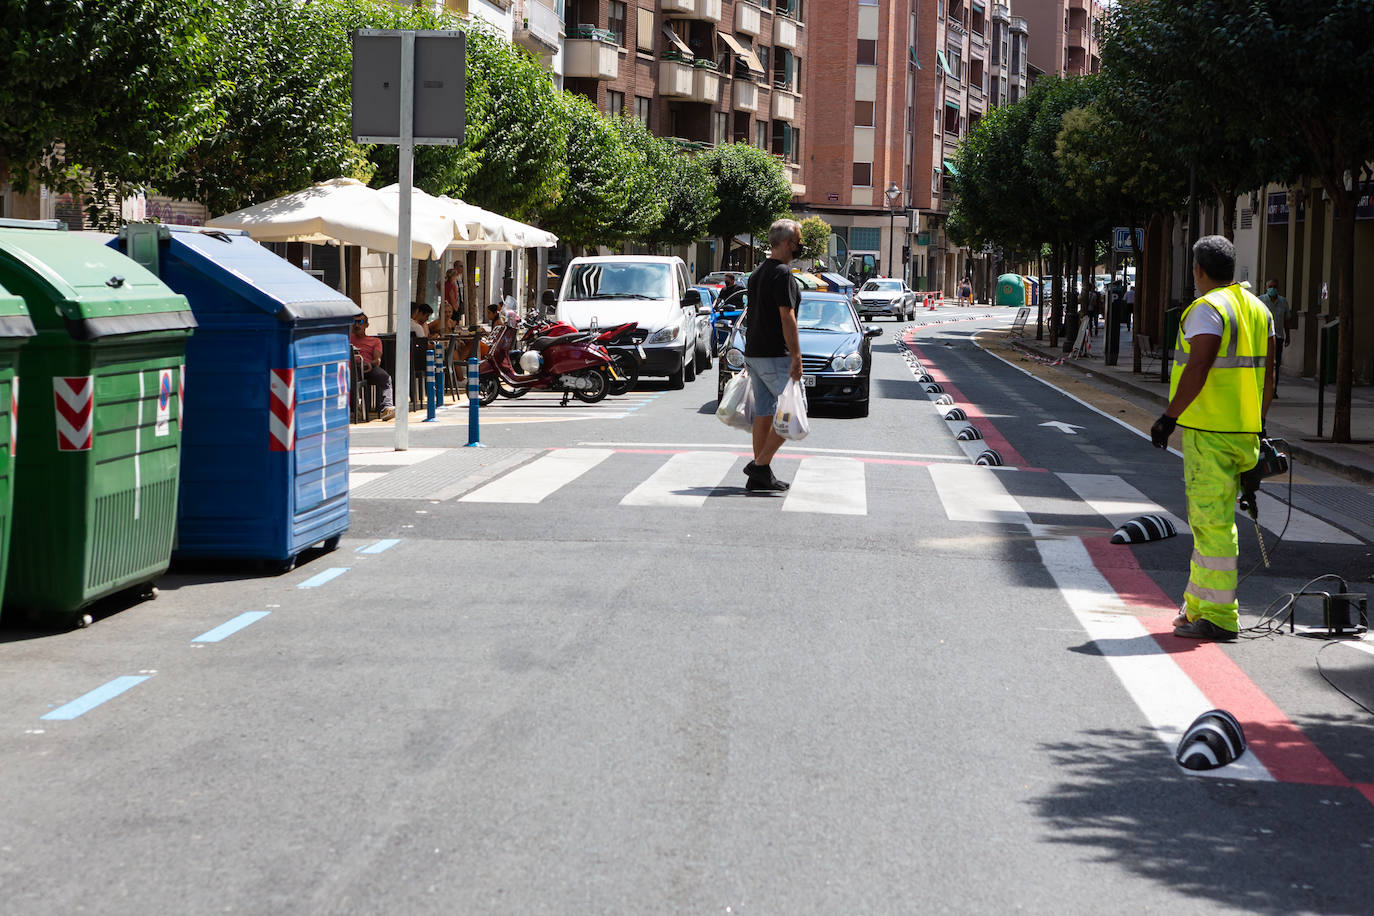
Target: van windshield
(620,281)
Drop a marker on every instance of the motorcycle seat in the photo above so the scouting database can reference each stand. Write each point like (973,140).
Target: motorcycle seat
(540,343)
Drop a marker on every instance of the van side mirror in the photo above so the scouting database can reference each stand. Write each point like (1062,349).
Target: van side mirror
(691,299)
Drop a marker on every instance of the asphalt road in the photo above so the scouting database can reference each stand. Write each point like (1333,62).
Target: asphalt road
(583,671)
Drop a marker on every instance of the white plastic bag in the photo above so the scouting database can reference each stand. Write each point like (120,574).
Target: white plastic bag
(736,407)
(789,420)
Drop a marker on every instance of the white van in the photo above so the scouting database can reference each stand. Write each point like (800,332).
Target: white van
(652,291)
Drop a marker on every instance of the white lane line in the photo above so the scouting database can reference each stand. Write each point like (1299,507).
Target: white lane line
(541,477)
(1304,527)
(328,575)
(974,494)
(683,481)
(831,486)
(88,701)
(229,628)
(358,478)
(380,456)
(380,546)
(743,446)
(1116,500)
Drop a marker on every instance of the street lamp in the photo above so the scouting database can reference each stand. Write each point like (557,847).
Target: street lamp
(892,193)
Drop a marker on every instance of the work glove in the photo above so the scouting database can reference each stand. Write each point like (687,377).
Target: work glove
(1162,430)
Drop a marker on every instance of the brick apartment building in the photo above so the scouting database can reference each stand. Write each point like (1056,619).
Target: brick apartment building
(703,72)
(903,83)
(1064,35)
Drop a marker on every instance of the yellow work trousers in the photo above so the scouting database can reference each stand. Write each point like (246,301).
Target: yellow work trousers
(1211,464)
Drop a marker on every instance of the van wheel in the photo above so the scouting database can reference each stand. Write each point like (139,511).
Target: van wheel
(689,364)
(678,380)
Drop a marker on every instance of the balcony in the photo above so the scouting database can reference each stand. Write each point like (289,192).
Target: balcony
(746,95)
(675,79)
(705,85)
(748,19)
(784,106)
(1076,38)
(680,7)
(707,10)
(786,33)
(537,27)
(591,58)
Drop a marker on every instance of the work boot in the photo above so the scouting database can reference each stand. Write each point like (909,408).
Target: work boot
(1202,628)
(763,481)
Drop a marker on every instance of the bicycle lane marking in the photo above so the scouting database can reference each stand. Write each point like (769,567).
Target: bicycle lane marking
(991,435)
(1281,748)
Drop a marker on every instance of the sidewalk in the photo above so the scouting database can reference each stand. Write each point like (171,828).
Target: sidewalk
(1292,416)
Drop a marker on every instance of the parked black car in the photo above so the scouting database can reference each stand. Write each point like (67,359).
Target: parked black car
(837,356)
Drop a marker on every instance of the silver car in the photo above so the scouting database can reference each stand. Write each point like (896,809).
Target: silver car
(886,297)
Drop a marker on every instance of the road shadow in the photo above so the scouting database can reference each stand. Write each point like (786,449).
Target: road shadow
(1257,847)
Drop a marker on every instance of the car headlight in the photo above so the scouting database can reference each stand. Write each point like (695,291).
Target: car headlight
(665,335)
(896,301)
(852,362)
(734,358)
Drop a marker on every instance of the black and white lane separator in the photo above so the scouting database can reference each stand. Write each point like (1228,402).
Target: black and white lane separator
(966,434)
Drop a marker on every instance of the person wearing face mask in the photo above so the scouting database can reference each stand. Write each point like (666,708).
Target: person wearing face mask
(771,347)
(1278,307)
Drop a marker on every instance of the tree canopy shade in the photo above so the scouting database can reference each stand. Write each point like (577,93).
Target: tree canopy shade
(753,189)
(690,201)
(647,159)
(596,195)
(106,94)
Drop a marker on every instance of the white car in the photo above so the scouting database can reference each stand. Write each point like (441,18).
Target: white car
(881,296)
(652,291)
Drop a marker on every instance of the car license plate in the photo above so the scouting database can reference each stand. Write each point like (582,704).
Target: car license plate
(808,381)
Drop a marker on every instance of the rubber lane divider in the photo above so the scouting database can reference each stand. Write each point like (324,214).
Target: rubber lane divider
(328,575)
(229,628)
(85,703)
(380,546)
(991,436)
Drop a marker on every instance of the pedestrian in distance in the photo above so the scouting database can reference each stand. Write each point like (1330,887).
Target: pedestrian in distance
(370,350)
(1094,310)
(453,296)
(772,350)
(1219,392)
(1278,307)
(1130,305)
(731,285)
(965,293)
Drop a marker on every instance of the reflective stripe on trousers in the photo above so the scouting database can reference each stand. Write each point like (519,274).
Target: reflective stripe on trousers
(1211,464)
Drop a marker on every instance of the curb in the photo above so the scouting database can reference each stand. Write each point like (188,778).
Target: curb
(1296,447)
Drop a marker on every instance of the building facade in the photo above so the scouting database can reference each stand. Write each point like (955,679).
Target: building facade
(1063,35)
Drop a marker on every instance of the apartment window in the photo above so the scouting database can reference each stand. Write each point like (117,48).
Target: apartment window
(863,114)
(784,68)
(868,2)
(975,73)
(615,103)
(863,174)
(722,127)
(615,21)
(642,108)
(762,52)
(644,30)
(979,18)
(956,63)
(761,134)
(935,181)
(951,118)
(868,52)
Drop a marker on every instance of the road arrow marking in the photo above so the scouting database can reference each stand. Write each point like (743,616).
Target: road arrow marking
(1063,427)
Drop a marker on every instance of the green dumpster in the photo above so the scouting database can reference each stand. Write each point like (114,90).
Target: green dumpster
(1011,290)
(15,328)
(99,418)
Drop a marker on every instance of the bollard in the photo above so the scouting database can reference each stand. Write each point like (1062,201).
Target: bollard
(474,436)
(439,377)
(429,385)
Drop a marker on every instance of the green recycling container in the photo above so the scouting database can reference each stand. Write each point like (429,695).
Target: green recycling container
(15,329)
(99,422)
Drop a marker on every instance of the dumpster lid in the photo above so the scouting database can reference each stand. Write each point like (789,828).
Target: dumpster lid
(98,292)
(271,283)
(14,316)
(834,279)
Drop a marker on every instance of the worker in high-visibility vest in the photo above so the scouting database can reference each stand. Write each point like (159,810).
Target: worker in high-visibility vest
(1223,380)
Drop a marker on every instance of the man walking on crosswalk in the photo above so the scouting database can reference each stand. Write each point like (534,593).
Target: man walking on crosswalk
(771,347)
(1223,379)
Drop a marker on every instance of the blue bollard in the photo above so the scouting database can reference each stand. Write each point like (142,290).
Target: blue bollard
(474,435)
(439,378)
(430,385)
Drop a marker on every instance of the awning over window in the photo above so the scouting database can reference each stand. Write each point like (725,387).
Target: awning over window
(911,51)
(949,167)
(749,58)
(944,64)
(678,43)
(949,104)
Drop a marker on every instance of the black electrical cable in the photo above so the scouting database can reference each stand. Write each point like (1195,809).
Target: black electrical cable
(1278,540)
(1322,672)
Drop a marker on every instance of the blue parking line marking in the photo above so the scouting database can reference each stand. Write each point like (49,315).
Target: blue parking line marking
(87,702)
(380,546)
(322,578)
(231,627)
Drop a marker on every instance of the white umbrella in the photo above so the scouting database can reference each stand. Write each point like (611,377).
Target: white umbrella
(345,210)
(497,231)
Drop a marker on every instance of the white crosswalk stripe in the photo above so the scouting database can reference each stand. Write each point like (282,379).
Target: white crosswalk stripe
(975,494)
(1116,500)
(684,481)
(541,477)
(830,486)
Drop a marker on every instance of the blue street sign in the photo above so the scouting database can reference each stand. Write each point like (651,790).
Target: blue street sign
(1121,239)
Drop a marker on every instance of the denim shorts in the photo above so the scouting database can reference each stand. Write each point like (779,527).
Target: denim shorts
(768,376)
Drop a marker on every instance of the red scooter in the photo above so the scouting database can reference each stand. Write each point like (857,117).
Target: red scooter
(571,363)
(619,341)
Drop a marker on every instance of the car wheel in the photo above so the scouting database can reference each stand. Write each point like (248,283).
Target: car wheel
(704,358)
(689,364)
(678,379)
(720,386)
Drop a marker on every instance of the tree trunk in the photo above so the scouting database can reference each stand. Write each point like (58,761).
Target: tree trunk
(1138,260)
(1057,293)
(1228,213)
(1343,260)
(1040,295)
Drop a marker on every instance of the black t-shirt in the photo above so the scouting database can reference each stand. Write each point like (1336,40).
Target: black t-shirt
(770,287)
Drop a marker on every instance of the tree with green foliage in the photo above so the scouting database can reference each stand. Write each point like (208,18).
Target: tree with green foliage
(753,189)
(648,161)
(815,234)
(596,196)
(105,95)
(690,201)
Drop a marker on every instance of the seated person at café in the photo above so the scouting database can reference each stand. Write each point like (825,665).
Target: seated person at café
(419,319)
(370,349)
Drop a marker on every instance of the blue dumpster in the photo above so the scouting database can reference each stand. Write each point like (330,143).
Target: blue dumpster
(839,284)
(264,471)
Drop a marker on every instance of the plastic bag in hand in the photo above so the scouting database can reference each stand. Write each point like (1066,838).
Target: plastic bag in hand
(789,420)
(736,407)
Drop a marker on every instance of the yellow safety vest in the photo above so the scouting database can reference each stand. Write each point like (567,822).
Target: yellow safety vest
(1232,397)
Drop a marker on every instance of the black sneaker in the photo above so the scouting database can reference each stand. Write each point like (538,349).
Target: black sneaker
(763,481)
(1205,629)
(751,470)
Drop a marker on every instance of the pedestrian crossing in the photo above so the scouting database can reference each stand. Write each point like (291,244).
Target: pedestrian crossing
(826,483)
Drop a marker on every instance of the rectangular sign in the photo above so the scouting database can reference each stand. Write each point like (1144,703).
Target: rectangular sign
(164,403)
(1121,239)
(438,87)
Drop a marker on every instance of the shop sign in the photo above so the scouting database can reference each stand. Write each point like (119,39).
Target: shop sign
(922,239)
